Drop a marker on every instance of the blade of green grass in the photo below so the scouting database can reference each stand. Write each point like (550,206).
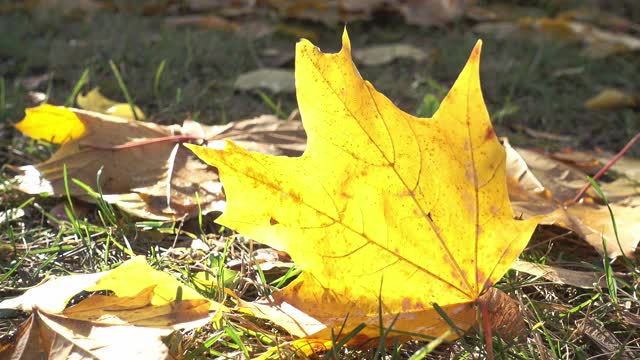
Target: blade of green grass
(427,349)
(606,262)
(157,77)
(237,340)
(333,352)
(123,88)
(76,88)
(276,108)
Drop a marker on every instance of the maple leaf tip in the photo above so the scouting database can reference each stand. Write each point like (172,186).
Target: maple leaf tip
(477,49)
(346,43)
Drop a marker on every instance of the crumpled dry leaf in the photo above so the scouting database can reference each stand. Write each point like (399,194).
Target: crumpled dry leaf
(561,179)
(505,316)
(605,339)
(57,337)
(528,170)
(598,42)
(136,178)
(130,324)
(625,187)
(593,223)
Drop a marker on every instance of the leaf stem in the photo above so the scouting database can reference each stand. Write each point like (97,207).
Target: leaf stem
(488,340)
(134,144)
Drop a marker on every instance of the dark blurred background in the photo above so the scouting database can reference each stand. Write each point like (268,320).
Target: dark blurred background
(543,62)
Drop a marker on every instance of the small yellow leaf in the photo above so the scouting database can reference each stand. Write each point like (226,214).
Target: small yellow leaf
(124,110)
(50,123)
(95,101)
(136,275)
(612,99)
(300,348)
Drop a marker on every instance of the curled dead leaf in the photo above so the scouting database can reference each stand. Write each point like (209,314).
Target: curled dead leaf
(505,316)
(130,324)
(144,169)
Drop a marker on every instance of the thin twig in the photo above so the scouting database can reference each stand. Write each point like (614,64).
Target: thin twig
(134,144)
(604,169)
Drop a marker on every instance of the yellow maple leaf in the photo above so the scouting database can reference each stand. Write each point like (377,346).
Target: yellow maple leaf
(384,211)
(50,123)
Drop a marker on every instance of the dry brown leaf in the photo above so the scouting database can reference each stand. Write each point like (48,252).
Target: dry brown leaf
(527,170)
(504,315)
(625,187)
(593,223)
(130,324)
(605,340)
(558,275)
(601,18)
(137,178)
(562,180)
(629,167)
(56,337)
(137,310)
(597,42)
(417,12)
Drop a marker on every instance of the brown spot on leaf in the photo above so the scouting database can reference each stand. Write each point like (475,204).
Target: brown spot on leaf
(346,195)
(480,277)
(406,304)
(494,209)
(489,134)
(475,54)
(273,221)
